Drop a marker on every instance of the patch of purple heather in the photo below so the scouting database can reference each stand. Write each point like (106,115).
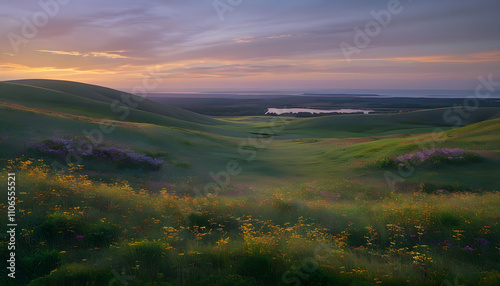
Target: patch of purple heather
(436,154)
(482,241)
(83,148)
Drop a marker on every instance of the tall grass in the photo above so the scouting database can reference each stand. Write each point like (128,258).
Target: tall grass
(75,230)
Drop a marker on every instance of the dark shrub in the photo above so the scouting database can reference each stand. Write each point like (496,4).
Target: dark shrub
(41,263)
(60,227)
(101,234)
(76,275)
(257,266)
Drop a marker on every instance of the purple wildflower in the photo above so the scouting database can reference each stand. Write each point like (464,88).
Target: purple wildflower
(482,241)
(436,154)
(84,148)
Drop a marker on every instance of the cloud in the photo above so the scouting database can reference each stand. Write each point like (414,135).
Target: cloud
(109,54)
(244,40)
(226,71)
(253,39)
(488,57)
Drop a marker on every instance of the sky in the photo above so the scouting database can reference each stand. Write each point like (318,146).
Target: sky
(252,44)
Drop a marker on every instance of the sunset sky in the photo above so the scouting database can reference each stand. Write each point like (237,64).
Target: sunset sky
(258,44)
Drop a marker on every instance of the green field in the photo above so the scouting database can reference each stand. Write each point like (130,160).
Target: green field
(245,200)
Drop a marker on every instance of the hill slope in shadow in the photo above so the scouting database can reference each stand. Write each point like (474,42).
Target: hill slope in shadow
(108,95)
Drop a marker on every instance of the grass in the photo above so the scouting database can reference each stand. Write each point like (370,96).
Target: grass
(108,96)
(310,205)
(384,124)
(85,229)
(39,100)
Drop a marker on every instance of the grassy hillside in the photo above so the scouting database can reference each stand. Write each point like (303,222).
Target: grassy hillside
(207,147)
(52,100)
(384,124)
(20,127)
(108,96)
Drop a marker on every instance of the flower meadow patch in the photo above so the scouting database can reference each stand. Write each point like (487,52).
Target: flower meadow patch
(434,156)
(77,229)
(122,158)
(438,155)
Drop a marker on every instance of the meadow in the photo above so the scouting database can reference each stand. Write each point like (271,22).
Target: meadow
(171,197)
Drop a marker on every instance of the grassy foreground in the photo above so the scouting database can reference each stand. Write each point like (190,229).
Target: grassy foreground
(82,232)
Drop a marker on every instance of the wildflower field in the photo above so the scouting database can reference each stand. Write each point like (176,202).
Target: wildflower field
(161,201)
(76,228)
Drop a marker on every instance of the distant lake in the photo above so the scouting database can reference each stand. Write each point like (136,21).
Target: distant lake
(280,111)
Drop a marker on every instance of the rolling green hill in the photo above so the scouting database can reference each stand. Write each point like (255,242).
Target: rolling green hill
(59,101)
(42,108)
(342,126)
(108,96)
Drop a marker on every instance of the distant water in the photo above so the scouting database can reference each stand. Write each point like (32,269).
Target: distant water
(412,93)
(280,111)
(432,93)
(375,93)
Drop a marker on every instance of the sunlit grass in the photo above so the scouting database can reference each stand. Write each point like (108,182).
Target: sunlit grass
(76,228)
